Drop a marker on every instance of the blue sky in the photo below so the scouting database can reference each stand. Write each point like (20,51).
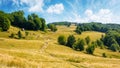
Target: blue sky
(106,11)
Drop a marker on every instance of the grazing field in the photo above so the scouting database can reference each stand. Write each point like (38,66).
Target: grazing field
(41,50)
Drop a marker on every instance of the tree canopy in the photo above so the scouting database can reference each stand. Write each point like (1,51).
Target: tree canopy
(18,19)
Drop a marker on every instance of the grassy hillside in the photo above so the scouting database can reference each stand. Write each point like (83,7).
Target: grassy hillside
(41,50)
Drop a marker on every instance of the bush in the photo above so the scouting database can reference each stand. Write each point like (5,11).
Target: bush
(78,31)
(115,47)
(62,40)
(19,34)
(90,49)
(12,35)
(104,55)
(87,39)
(26,33)
(100,44)
(52,27)
(79,45)
(71,40)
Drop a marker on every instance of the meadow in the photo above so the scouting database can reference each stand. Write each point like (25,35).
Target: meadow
(41,50)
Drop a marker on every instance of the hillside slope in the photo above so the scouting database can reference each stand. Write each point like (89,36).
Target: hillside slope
(41,50)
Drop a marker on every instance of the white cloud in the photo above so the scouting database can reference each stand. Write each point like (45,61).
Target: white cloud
(16,3)
(57,8)
(104,11)
(33,6)
(103,15)
(88,12)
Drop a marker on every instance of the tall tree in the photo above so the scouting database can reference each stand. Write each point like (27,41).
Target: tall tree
(87,39)
(4,22)
(43,24)
(19,34)
(79,45)
(30,17)
(38,23)
(19,19)
(70,41)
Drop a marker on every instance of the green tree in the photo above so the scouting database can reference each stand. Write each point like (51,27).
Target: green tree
(115,47)
(109,40)
(43,24)
(100,44)
(4,22)
(30,25)
(12,35)
(78,30)
(104,55)
(90,49)
(62,40)
(19,19)
(38,23)
(34,15)
(69,24)
(6,25)
(87,39)
(26,33)
(79,45)
(19,34)
(30,17)
(70,40)
(52,27)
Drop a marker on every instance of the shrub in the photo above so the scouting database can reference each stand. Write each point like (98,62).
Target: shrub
(95,44)
(71,40)
(104,55)
(62,40)
(78,31)
(87,39)
(12,35)
(90,49)
(115,47)
(79,45)
(19,34)
(26,33)
(100,44)
(52,27)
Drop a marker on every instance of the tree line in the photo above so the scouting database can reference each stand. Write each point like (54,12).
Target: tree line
(18,19)
(96,27)
(112,40)
(65,23)
(112,33)
(78,44)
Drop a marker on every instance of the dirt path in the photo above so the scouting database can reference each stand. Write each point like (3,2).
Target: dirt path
(44,46)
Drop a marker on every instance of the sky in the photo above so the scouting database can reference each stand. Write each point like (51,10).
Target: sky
(105,11)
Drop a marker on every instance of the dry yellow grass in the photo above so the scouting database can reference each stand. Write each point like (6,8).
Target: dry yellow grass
(27,53)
